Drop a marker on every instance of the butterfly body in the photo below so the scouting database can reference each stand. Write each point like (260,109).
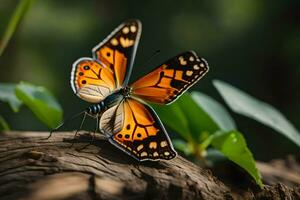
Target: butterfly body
(110,101)
(124,116)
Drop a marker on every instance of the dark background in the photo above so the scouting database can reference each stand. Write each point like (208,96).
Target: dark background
(251,44)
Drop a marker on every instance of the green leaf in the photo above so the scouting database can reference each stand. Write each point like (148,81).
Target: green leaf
(3,124)
(233,145)
(215,110)
(41,103)
(198,120)
(7,94)
(15,20)
(186,118)
(244,104)
(174,118)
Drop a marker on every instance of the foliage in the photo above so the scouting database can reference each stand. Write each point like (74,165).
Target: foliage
(203,122)
(233,145)
(3,124)
(41,103)
(209,124)
(7,94)
(15,20)
(244,104)
(36,98)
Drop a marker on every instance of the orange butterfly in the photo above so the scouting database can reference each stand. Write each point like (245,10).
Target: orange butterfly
(128,122)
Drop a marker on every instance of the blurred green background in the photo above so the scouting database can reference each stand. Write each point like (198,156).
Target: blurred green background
(251,44)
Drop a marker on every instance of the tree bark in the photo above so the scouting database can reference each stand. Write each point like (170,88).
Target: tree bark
(33,168)
(37,169)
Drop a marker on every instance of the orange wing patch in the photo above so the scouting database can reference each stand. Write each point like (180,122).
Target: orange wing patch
(164,84)
(142,135)
(91,81)
(117,51)
(138,122)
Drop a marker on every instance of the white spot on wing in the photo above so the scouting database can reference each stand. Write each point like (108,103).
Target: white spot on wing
(114,42)
(125,30)
(189,73)
(163,143)
(133,29)
(143,154)
(182,61)
(125,42)
(140,147)
(196,67)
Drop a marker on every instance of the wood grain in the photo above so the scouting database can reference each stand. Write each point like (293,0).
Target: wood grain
(34,168)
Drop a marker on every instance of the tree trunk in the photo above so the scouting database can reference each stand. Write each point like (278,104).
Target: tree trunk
(37,169)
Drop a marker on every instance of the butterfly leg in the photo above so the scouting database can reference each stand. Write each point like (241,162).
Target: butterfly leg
(93,136)
(62,124)
(53,130)
(94,132)
(80,127)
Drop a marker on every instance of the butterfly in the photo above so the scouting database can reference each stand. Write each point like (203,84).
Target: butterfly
(124,117)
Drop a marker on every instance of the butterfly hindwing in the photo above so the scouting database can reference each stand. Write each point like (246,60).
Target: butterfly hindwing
(165,83)
(118,50)
(111,121)
(141,135)
(91,81)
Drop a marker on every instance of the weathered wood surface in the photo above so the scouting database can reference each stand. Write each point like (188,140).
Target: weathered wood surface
(33,168)
(36,169)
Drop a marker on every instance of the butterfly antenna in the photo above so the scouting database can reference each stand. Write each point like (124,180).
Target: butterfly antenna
(63,123)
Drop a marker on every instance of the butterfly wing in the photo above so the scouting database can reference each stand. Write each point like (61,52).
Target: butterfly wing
(165,83)
(118,50)
(135,128)
(94,79)
(91,81)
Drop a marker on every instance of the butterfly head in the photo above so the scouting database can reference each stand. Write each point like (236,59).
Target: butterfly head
(126,91)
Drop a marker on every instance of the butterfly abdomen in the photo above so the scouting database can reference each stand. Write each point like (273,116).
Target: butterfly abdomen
(107,103)
(96,108)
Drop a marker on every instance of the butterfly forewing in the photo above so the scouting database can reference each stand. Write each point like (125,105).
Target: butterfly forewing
(142,134)
(94,79)
(91,81)
(164,84)
(118,50)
